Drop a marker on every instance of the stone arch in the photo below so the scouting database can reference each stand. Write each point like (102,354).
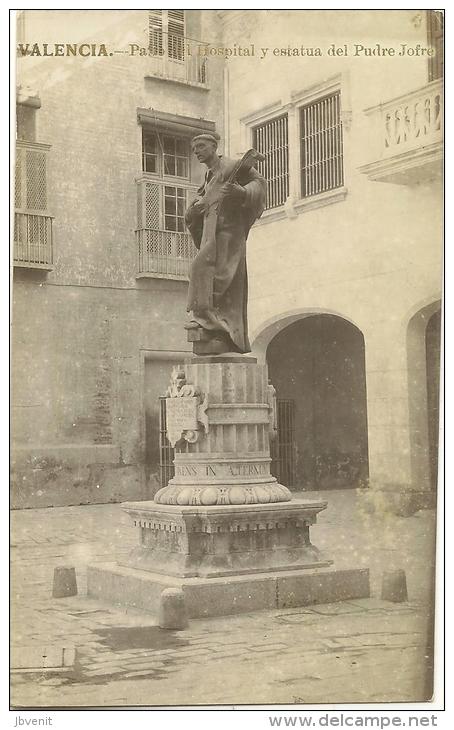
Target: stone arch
(262,335)
(321,391)
(423,356)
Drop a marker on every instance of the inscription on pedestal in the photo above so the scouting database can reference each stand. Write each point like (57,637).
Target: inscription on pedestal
(181,414)
(221,470)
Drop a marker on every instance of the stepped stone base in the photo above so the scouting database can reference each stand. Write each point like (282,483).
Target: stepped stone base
(190,541)
(223,531)
(229,595)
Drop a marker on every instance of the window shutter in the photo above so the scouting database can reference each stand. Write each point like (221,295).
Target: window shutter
(176,22)
(155,29)
(35,168)
(149,206)
(175,43)
(18,187)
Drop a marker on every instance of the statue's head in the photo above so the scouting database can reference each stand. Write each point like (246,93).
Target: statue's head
(204,146)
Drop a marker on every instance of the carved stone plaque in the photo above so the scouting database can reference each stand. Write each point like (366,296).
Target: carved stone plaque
(181,415)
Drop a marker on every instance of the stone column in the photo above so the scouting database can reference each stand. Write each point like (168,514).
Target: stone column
(398,444)
(227,460)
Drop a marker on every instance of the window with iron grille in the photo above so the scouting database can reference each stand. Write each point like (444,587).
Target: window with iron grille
(271,139)
(321,146)
(167,33)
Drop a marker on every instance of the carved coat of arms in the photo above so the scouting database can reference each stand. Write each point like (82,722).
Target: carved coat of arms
(186,409)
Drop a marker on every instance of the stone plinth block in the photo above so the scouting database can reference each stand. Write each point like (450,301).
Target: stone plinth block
(64,583)
(219,414)
(223,540)
(394,586)
(230,595)
(172,610)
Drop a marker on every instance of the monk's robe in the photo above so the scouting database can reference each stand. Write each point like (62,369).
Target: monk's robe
(217,298)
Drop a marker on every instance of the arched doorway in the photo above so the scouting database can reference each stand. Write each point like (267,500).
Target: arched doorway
(423,351)
(433,337)
(317,366)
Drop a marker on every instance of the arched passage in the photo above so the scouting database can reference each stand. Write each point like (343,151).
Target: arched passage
(433,336)
(423,349)
(317,366)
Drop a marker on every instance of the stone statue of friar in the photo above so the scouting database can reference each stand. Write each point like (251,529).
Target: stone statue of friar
(231,198)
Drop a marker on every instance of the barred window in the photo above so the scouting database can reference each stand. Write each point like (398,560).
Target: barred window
(271,139)
(164,154)
(321,146)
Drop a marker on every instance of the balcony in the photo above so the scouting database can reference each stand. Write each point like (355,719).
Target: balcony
(33,244)
(33,241)
(175,58)
(408,137)
(164,254)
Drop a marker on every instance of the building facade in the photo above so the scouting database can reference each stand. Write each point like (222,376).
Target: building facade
(344,265)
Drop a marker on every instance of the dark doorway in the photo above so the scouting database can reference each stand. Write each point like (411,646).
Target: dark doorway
(158,452)
(317,363)
(282,448)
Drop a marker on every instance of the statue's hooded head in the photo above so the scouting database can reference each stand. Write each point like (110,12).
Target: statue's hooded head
(204,146)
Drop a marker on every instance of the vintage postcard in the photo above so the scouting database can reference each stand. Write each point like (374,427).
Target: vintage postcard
(227,301)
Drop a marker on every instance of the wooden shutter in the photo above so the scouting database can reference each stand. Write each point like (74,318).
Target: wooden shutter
(149,206)
(175,38)
(155,30)
(35,167)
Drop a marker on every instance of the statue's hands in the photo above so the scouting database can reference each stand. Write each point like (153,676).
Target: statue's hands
(198,206)
(233,191)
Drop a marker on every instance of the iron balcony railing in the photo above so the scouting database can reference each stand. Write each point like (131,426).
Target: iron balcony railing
(33,241)
(165,254)
(177,58)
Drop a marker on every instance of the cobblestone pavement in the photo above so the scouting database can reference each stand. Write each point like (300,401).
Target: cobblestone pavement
(355,651)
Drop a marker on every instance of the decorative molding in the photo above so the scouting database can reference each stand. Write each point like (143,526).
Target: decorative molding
(264,113)
(271,215)
(293,208)
(28,97)
(427,89)
(174,122)
(318,201)
(289,207)
(407,168)
(346,118)
(315,91)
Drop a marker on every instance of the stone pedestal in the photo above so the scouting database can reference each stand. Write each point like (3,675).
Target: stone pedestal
(223,525)
(227,540)
(225,458)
